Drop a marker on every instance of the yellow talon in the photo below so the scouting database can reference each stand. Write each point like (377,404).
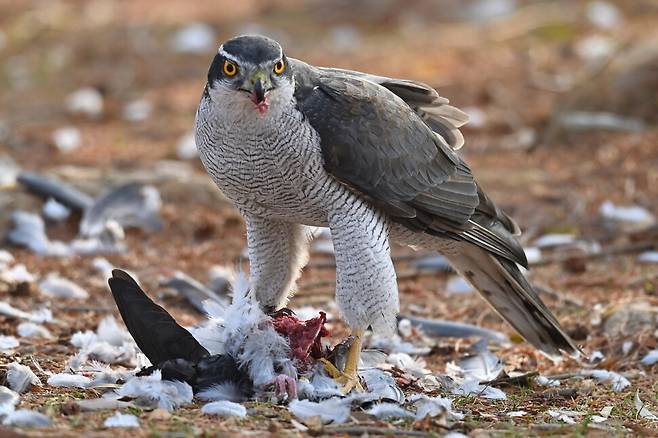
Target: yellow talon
(331,369)
(348,379)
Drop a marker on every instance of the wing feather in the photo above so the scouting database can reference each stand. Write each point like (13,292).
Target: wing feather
(393,141)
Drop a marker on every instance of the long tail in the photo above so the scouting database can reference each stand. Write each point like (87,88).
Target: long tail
(503,285)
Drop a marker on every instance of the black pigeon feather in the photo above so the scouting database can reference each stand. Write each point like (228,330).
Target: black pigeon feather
(156,333)
(168,346)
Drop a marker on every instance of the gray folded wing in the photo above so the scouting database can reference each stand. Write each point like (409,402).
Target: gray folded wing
(375,141)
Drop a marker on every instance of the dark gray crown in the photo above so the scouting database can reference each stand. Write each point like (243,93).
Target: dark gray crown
(252,48)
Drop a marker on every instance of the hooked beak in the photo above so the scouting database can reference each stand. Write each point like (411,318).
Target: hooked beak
(259,92)
(260,86)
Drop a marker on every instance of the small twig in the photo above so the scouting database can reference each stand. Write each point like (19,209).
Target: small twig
(522,380)
(564,376)
(612,250)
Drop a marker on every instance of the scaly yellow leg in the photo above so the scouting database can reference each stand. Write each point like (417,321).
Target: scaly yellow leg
(348,379)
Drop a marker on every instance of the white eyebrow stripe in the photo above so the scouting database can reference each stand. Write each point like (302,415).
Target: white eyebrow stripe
(225,54)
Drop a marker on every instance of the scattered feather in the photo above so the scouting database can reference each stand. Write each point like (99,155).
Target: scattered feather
(26,418)
(130,205)
(389,410)
(595,47)
(650,358)
(596,356)
(192,290)
(642,410)
(626,347)
(603,14)
(38,316)
(194,38)
(21,378)
(152,391)
(109,331)
(434,406)
(5,258)
(108,241)
(9,170)
(137,110)
(516,414)
(186,148)
(223,391)
(482,366)
(17,274)
(221,280)
(473,387)
(32,330)
(415,367)
(545,381)
(459,286)
(395,344)
(103,267)
(381,385)
(87,101)
(617,381)
(69,380)
(322,387)
(604,415)
(629,214)
(52,188)
(585,120)
(58,287)
(648,257)
(532,254)
(67,139)
(224,408)
(550,240)
(8,343)
(55,211)
(103,404)
(334,410)
(564,415)
(29,230)
(121,420)
(8,400)
(456,330)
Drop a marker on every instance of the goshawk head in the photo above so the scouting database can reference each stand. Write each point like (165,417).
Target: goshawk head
(252,69)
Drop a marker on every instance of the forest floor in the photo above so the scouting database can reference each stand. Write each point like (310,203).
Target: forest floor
(516,76)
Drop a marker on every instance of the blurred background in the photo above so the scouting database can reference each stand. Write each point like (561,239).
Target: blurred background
(563,102)
(562,95)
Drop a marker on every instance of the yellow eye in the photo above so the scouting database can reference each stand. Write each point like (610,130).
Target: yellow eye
(230,69)
(279,67)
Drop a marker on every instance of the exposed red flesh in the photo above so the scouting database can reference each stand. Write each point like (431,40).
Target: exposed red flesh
(304,337)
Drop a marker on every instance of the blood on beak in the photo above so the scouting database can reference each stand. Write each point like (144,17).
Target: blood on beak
(259,97)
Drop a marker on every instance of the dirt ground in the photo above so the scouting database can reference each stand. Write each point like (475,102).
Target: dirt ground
(518,74)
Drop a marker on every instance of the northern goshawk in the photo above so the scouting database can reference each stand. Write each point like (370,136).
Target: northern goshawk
(296,147)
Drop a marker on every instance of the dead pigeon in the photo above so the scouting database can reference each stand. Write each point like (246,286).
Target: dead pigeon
(170,347)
